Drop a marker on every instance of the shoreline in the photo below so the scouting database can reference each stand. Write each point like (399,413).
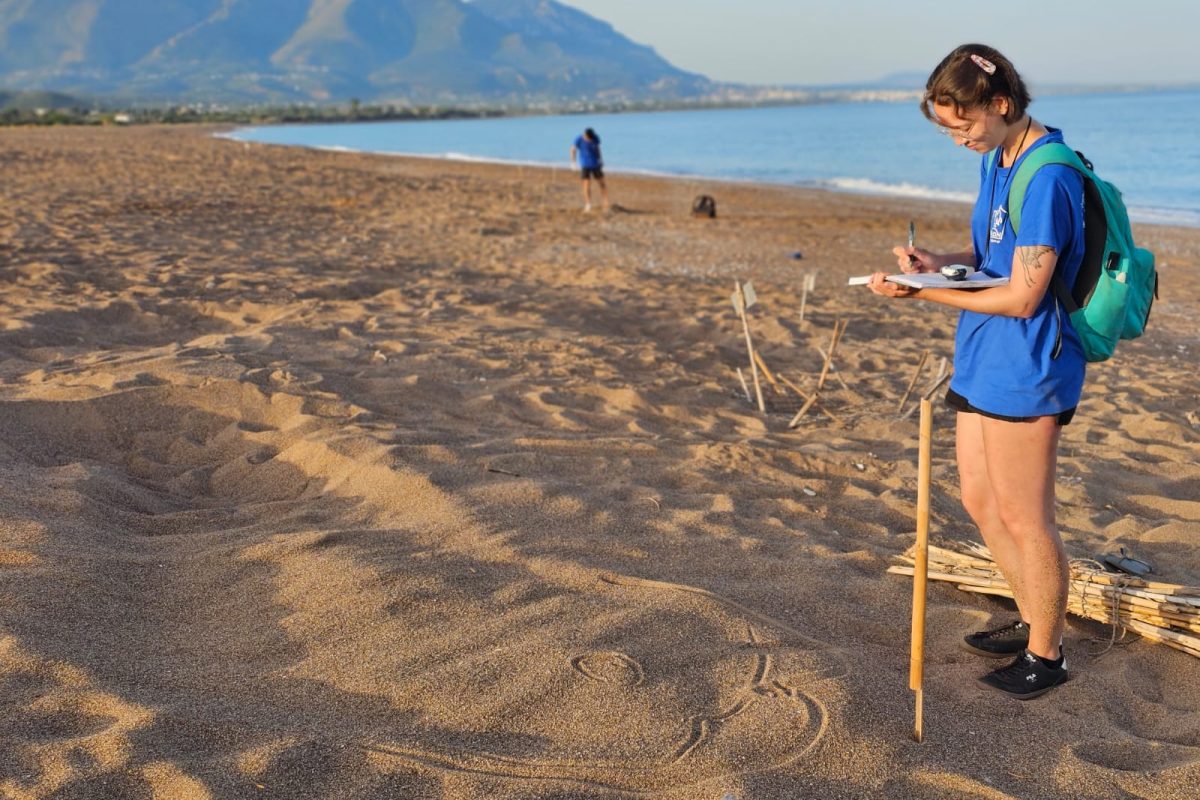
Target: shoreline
(1159,217)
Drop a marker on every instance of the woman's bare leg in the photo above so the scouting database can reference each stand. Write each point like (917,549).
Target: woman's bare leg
(1022,458)
(980,503)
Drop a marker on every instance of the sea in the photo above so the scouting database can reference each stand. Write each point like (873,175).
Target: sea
(1145,142)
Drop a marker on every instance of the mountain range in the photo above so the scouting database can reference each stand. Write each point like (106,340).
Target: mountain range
(380,51)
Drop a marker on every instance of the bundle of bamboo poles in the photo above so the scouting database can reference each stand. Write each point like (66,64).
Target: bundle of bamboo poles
(1161,612)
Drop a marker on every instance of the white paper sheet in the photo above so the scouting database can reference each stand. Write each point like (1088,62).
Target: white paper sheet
(935,280)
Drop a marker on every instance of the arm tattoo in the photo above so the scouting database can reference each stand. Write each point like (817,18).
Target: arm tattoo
(1031,259)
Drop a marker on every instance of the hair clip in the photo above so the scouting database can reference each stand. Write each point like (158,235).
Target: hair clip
(984,64)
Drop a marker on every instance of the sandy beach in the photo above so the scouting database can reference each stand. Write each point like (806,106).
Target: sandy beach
(328,475)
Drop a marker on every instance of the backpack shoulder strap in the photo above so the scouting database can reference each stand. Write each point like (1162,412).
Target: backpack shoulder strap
(1052,153)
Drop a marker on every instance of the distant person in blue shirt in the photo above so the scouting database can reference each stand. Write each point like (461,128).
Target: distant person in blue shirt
(1018,363)
(586,152)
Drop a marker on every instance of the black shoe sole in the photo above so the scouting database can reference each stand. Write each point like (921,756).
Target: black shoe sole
(988,653)
(1028,695)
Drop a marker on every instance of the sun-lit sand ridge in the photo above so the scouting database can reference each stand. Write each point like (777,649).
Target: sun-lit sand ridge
(337,476)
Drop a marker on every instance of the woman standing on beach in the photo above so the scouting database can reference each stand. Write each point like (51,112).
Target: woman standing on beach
(1018,364)
(586,152)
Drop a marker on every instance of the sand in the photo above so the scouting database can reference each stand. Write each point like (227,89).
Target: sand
(328,475)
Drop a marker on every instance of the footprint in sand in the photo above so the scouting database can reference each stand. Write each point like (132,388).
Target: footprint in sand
(1157,719)
(1137,755)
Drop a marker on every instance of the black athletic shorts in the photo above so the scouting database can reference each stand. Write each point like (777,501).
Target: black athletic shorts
(592,172)
(960,403)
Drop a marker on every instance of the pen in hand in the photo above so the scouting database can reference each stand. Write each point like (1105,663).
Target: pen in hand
(912,240)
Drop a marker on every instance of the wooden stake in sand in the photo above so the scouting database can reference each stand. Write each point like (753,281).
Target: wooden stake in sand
(745,388)
(742,300)
(758,359)
(806,286)
(839,328)
(913,382)
(833,370)
(916,663)
(806,397)
(943,375)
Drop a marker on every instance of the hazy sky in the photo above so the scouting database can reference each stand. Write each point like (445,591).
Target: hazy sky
(794,41)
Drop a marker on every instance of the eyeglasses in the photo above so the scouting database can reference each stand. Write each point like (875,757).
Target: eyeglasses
(960,133)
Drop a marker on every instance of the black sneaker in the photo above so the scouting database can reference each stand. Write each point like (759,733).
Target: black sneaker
(999,642)
(1026,677)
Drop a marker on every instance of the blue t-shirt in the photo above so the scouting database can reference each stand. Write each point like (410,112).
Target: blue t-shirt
(589,153)
(1003,365)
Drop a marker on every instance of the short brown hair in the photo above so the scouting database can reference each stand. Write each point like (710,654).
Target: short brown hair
(962,80)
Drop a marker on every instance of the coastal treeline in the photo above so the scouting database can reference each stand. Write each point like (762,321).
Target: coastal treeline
(50,108)
(83,115)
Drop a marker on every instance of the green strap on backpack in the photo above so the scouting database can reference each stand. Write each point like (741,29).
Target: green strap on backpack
(1116,284)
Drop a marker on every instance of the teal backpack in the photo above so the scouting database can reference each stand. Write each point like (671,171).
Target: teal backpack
(1116,283)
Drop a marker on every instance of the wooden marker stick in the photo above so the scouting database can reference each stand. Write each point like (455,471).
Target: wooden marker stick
(912,383)
(838,328)
(833,370)
(942,376)
(916,664)
(806,398)
(745,388)
(805,287)
(758,359)
(833,343)
(741,308)
(945,376)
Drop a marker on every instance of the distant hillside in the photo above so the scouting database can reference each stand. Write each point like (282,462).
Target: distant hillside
(272,51)
(28,101)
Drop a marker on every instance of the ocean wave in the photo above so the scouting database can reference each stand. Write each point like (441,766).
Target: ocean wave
(1181,217)
(913,190)
(474,159)
(515,162)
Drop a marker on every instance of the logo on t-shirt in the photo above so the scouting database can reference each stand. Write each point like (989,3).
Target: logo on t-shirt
(998,217)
